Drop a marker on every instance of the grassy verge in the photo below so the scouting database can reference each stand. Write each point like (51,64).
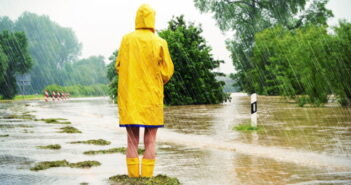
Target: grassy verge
(41,97)
(29,97)
(23,97)
(157,180)
(93,142)
(51,147)
(110,151)
(63,163)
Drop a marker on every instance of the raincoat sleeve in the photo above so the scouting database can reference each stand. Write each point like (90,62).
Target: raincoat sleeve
(167,68)
(119,57)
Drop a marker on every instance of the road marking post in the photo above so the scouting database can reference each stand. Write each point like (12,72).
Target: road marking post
(254,110)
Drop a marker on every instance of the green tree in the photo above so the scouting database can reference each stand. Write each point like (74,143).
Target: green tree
(86,71)
(3,65)
(14,59)
(277,73)
(6,24)
(194,81)
(311,55)
(248,17)
(50,45)
(112,77)
(340,52)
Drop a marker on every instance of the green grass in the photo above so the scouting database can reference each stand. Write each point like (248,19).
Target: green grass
(51,147)
(23,97)
(29,97)
(5,135)
(157,180)
(69,130)
(93,142)
(245,127)
(54,121)
(64,163)
(110,151)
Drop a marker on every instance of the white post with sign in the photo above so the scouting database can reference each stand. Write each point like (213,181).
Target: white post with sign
(254,110)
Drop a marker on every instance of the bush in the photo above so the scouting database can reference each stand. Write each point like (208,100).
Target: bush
(80,90)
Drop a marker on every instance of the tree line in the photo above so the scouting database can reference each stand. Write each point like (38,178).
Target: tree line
(54,52)
(52,61)
(277,50)
(308,60)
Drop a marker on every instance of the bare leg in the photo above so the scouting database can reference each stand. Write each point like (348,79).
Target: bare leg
(133,142)
(150,143)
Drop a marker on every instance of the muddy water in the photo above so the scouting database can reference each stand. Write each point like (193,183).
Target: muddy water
(198,146)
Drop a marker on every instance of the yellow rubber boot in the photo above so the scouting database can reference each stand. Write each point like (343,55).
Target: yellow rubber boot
(133,167)
(147,167)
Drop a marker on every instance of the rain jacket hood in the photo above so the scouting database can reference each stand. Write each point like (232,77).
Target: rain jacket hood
(145,18)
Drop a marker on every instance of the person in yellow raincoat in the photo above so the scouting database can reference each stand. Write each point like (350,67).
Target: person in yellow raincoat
(144,66)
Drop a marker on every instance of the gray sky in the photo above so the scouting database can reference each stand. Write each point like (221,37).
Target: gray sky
(100,24)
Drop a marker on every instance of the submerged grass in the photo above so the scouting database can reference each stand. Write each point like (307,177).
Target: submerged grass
(157,180)
(15,126)
(28,131)
(19,116)
(110,151)
(51,147)
(5,135)
(93,142)
(49,164)
(84,164)
(64,163)
(54,120)
(246,127)
(69,130)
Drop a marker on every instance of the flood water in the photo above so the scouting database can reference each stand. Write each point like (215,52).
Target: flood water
(198,145)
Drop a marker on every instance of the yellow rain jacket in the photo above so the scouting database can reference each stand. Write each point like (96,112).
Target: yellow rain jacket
(143,65)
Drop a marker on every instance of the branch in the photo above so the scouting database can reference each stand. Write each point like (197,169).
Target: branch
(297,24)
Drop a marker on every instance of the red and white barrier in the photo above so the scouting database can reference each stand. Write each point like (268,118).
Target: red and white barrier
(55,96)
(46,94)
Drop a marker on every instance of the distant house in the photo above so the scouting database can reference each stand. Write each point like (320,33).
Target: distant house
(23,83)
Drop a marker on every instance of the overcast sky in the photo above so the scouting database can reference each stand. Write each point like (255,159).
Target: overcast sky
(100,24)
